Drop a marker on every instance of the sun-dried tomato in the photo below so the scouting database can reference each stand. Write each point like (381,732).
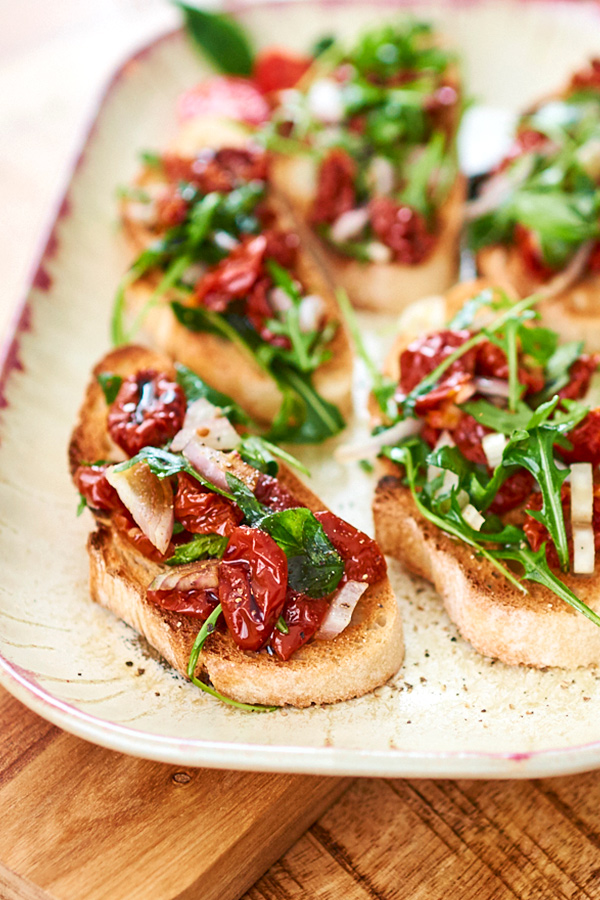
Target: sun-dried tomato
(252,586)
(204,512)
(402,229)
(234,276)
(336,193)
(493,363)
(258,311)
(91,483)
(531,254)
(588,78)
(585,439)
(217,170)
(270,492)
(593,263)
(171,208)
(513,492)
(195,604)
(303,617)
(277,70)
(468,436)
(527,141)
(423,355)
(580,375)
(148,411)
(363,560)
(282,246)
(125,525)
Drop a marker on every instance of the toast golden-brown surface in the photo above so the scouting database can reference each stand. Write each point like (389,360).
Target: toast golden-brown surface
(364,655)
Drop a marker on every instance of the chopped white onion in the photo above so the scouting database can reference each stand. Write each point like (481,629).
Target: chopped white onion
(380,175)
(378,252)
(445,440)
(279,300)
(193,274)
(196,576)
(493,447)
(205,421)
(570,275)
(324,101)
(450,481)
(342,606)
(311,313)
(371,446)
(207,462)
(349,225)
(473,517)
(225,241)
(492,387)
(582,493)
(584,550)
(148,498)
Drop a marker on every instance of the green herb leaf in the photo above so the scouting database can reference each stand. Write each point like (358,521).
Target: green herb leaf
(254,512)
(498,419)
(282,626)
(220,38)
(203,546)
(195,389)
(208,626)
(110,385)
(246,707)
(81,505)
(164,464)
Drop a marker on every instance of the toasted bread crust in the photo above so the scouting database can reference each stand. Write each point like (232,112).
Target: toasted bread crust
(380,287)
(535,629)
(366,654)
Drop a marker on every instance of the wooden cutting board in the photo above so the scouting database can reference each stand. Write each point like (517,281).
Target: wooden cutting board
(78,822)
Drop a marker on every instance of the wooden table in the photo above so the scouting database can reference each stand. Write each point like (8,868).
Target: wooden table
(82,823)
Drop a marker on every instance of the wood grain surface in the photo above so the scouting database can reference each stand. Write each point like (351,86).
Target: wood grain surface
(83,823)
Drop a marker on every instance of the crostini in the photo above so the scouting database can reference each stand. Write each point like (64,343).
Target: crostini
(535,225)
(221,282)
(229,566)
(365,153)
(489,437)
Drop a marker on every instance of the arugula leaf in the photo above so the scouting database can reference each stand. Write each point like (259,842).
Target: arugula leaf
(496,418)
(163,464)
(314,566)
(282,626)
(465,317)
(305,416)
(81,505)
(558,366)
(220,38)
(254,511)
(203,546)
(195,389)
(246,707)
(110,384)
(255,452)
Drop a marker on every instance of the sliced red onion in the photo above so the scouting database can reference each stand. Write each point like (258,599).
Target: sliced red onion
(372,446)
(205,421)
(148,498)
(492,387)
(196,576)
(570,275)
(324,101)
(311,313)
(349,225)
(208,462)
(342,606)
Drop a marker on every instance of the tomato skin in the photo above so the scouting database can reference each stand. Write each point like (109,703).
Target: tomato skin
(217,170)
(363,560)
(252,586)
(204,512)
(276,70)
(513,492)
(234,276)
(580,375)
(468,436)
(148,411)
(336,193)
(195,604)
(225,97)
(91,483)
(402,229)
(303,617)
(270,492)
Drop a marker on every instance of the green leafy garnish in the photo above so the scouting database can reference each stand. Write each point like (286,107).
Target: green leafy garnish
(220,38)
(282,626)
(164,464)
(203,546)
(110,384)
(195,389)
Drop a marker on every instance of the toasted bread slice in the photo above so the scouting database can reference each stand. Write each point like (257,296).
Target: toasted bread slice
(363,656)
(217,360)
(381,287)
(534,628)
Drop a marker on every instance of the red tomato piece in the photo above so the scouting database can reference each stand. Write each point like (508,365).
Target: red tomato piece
(580,375)
(402,229)
(195,604)
(468,436)
(234,276)
(252,586)
(276,70)
(91,483)
(217,170)
(225,97)
(513,492)
(336,193)
(148,411)
(363,560)
(303,617)
(270,492)
(531,254)
(204,512)
(585,439)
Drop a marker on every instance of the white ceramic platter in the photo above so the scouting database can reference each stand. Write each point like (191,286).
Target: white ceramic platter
(449,712)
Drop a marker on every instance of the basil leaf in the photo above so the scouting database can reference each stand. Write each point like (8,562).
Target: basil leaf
(110,385)
(220,38)
(164,464)
(254,512)
(314,566)
(203,546)
(195,389)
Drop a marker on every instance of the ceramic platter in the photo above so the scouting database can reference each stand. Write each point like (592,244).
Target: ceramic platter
(449,712)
